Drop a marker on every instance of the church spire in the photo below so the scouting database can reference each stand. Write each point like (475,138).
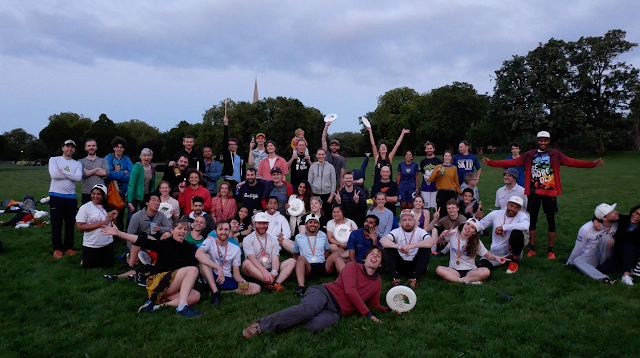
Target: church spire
(255,91)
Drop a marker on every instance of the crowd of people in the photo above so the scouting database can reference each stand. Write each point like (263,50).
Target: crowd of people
(242,229)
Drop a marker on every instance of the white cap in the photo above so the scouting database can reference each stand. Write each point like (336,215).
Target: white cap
(543,134)
(261,218)
(312,217)
(603,210)
(516,199)
(475,223)
(407,212)
(102,188)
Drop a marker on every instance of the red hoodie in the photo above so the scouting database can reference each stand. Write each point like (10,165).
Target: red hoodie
(354,287)
(557,159)
(184,199)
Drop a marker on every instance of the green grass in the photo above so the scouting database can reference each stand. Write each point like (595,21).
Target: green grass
(54,308)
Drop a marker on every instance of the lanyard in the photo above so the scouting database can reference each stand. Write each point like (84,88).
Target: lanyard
(264,249)
(405,237)
(315,241)
(220,256)
(459,253)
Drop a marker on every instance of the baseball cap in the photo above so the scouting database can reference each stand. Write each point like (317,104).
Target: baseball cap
(517,200)
(335,141)
(543,134)
(312,217)
(69,141)
(407,212)
(512,172)
(261,218)
(102,188)
(475,223)
(276,170)
(603,210)
(260,134)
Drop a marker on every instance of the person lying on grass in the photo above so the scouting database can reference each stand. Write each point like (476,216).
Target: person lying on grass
(357,287)
(465,244)
(220,265)
(262,256)
(171,279)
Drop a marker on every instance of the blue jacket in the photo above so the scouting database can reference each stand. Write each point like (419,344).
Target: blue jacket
(212,172)
(120,176)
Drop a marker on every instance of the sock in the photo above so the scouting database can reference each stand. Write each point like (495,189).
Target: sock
(533,248)
(550,248)
(181,306)
(515,260)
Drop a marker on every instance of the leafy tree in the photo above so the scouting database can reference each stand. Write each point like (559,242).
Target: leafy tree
(136,132)
(61,127)
(602,87)
(17,143)
(103,131)
(350,143)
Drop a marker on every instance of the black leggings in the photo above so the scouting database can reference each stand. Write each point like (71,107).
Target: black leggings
(516,241)
(549,206)
(442,196)
(413,269)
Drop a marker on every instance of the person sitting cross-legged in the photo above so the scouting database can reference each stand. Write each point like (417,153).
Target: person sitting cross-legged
(262,256)
(220,265)
(357,287)
(465,244)
(171,279)
(408,249)
(310,257)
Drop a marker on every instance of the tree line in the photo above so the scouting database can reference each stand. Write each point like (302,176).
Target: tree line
(577,90)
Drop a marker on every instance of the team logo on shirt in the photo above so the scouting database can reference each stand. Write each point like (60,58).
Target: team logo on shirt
(408,170)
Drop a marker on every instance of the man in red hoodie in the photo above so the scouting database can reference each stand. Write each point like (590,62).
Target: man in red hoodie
(357,287)
(542,182)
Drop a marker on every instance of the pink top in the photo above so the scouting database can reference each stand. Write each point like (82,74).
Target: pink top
(264,168)
(220,212)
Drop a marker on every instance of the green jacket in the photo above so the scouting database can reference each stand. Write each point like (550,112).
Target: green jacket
(135,191)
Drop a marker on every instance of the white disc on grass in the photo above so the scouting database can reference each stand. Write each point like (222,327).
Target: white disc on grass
(401,299)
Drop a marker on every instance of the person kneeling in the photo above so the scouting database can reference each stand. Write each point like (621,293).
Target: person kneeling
(262,256)
(171,279)
(465,244)
(310,258)
(217,261)
(412,257)
(357,287)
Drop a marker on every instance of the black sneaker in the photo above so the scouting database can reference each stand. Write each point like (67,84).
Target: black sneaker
(140,278)
(608,281)
(300,291)
(111,277)
(216,299)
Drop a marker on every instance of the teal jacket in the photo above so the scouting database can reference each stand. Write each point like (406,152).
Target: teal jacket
(135,191)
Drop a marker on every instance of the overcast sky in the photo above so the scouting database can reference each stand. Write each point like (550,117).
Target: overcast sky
(167,61)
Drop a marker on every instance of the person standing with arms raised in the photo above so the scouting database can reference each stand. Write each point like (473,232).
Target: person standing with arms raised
(542,185)
(381,156)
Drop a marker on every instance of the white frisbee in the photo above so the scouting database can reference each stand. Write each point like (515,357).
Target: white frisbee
(413,195)
(330,118)
(365,121)
(166,208)
(342,232)
(296,207)
(401,299)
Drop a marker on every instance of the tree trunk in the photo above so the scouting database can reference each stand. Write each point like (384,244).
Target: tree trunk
(601,148)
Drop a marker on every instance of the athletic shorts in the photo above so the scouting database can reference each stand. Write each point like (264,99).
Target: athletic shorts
(429,199)
(229,283)
(157,286)
(317,270)
(406,194)
(463,273)
(97,257)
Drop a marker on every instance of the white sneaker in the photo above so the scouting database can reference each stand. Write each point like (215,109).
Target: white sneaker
(144,258)
(476,282)
(626,279)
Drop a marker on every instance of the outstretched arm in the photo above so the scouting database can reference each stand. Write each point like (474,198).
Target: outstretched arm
(395,148)
(324,135)
(374,149)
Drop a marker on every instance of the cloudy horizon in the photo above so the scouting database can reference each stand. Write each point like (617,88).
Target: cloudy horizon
(165,62)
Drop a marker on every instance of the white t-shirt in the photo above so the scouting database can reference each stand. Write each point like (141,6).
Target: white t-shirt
(503,195)
(331,225)
(589,239)
(498,218)
(466,262)
(311,247)
(89,213)
(262,248)
(225,256)
(400,238)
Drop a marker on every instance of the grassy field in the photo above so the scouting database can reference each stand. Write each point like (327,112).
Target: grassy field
(54,308)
